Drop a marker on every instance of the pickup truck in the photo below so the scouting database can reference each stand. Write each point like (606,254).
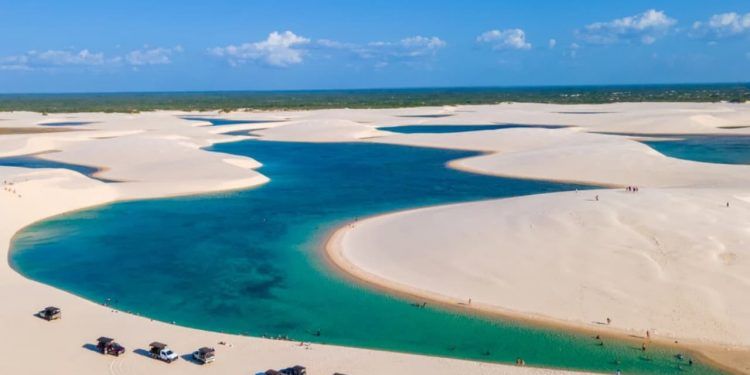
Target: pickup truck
(162,352)
(204,355)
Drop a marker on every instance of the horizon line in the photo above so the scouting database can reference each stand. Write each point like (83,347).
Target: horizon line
(405,88)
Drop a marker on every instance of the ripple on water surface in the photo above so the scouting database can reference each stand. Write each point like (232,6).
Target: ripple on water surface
(249,261)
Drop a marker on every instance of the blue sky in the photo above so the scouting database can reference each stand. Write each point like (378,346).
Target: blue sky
(83,46)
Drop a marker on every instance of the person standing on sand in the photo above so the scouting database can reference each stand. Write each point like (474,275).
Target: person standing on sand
(597,198)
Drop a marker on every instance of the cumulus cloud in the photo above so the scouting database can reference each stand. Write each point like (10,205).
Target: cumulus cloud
(552,43)
(51,59)
(286,49)
(152,56)
(412,47)
(646,27)
(723,26)
(410,50)
(505,39)
(58,59)
(278,49)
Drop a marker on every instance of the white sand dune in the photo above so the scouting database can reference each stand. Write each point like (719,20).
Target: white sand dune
(316,130)
(575,155)
(673,261)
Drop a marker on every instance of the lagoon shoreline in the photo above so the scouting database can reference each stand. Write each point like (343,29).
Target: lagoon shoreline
(725,358)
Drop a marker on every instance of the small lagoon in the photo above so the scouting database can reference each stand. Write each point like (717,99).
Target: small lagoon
(215,121)
(419,129)
(250,261)
(34,161)
(723,149)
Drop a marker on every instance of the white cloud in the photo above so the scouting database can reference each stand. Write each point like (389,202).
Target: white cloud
(285,49)
(410,50)
(505,39)
(572,50)
(646,27)
(152,56)
(412,47)
(420,45)
(279,50)
(552,43)
(723,25)
(57,59)
(63,57)
(51,59)
(19,62)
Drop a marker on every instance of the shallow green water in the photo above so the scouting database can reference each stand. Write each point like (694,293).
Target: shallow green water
(249,261)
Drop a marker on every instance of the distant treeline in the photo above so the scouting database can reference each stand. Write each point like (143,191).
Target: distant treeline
(377,98)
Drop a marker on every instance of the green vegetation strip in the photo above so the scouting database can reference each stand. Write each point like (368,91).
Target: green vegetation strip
(380,98)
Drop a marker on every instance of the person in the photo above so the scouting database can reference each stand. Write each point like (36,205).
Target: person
(648,335)
(727,204)
(609,320)
(643,347)
(618,372)
(597,198)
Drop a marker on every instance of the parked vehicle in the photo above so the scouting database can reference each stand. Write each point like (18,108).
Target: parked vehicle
(162,352)
(205,355)
(296,370)
(108,345)
(50,313)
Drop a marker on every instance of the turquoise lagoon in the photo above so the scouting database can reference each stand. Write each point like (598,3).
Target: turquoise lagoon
(250,262)
(723,149)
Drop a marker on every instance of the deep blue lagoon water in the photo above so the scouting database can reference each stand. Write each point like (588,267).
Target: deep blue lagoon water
(32,161)
(250,261)
(706,148)
(412,129)
(215,121)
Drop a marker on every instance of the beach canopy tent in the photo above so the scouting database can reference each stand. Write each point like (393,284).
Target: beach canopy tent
(157,345)
(50,313)
(206,350)
(51,310)
(105,340)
